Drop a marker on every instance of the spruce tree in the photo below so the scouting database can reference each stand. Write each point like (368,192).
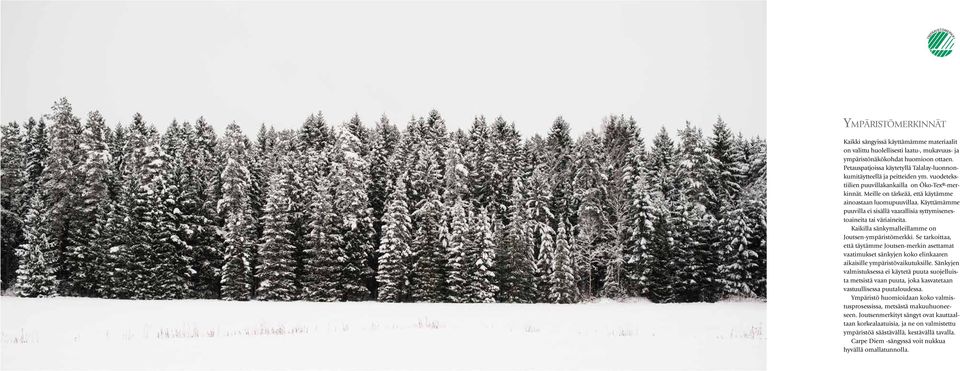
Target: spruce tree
(276,271)
(315,134)
(703,232)
(234,204)
(662,165)
(458,242)
(560,172)
(480,164)
(93,202)
(755,210)
(726,168)
(61,180)
(37,150)
(206,254)
(233,279)
(428,256)
(659,269)
(349,186)
(563,283)
(12,189)
(479,257)
(171,262)
(516,264)
(508,165)
(640,215)
(594,230)
(395,246)
(382,172)
(36,276)
(739,261)
(322,266)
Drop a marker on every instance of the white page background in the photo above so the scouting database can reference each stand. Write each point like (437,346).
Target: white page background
(828,60)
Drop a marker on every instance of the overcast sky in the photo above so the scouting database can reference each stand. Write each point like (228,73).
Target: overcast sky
(275,63)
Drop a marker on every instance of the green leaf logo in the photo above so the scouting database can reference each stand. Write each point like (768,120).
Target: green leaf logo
(940,42)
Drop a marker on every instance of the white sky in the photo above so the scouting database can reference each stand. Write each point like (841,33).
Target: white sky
(276,63)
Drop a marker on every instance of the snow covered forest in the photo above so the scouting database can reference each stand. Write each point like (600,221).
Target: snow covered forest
(382,212)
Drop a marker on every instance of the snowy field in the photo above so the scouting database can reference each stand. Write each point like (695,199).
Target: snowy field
(97,334)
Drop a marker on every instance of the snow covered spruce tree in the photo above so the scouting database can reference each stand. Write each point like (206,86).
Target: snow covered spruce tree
(94,202)
(659,265)
(563,283)
(478,260)
(322,255)
(385,139)
(593,229)
(60,181)
(508,165)
(276,271)
(205,164)
(12,188)
(459,242)
(515,261)
(640,216)
(349,182)
(428,274)
(395,246)
(234,205)
(36,276)
(427,281)
(702,257)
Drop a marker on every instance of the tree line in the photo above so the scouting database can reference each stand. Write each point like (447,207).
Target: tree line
(357,212)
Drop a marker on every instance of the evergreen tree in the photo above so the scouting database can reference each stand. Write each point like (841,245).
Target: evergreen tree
(559,160)
(61,179)
(726,168)
(96,174)
(456,180)
(755,210)
(539,217)
(739,261)
(206,165)
(36,276)
(516,264)
(235,205)
(479,259)
(395,246)
(508,165)
(234,283)
(315,134)
(428,256)
(620,135)
(659,267)
(384,143)
(322,265)
(563,283)
(276,272)
(640,216)
(702,238)
(171,262)
(37,150)
(458,243)
(480,164)
(594,230)
(662,165)
(349,186)
(12,189)
(356,128)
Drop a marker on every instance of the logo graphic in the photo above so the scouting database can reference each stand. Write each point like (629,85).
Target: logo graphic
(940,42)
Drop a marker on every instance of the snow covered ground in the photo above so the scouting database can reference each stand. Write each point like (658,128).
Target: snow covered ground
(89,334)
